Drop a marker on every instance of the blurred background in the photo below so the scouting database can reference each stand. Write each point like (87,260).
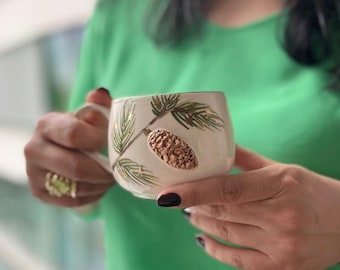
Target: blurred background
(39,48)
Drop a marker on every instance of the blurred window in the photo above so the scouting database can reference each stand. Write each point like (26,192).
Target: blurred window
(36,75)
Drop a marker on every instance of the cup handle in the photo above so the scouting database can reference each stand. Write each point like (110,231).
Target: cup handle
(102,160)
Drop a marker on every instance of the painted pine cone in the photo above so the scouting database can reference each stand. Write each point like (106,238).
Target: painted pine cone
(172,150)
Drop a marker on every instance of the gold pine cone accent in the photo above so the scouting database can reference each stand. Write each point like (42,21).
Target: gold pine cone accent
(172,150)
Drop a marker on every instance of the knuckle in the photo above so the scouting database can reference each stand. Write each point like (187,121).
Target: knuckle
(73,133)
(230,258)
(237,262)
(41,123)
(224,232)
(44,122)
(230,191)
(77,168)
(31,148)
(215,211)
(82,136)
(290,174)
(290,180)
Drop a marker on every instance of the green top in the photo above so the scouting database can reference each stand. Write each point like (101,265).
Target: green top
(278,108)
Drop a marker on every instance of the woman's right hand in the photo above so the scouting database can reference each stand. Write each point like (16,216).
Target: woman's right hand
(56,147)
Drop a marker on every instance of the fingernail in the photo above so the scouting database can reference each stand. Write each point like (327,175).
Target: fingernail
(200,241)
(186,212)
(103,89)
(168,200)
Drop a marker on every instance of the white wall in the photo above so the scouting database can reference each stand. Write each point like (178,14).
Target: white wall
(22,86)
(23,99)
(24,93)
(23,21)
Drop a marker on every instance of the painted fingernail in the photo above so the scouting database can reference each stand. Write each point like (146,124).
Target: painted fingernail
(200,241)
(168,200)
(103,89)
(186,212)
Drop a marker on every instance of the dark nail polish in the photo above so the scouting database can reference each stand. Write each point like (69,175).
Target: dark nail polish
(200,241)
(168,200)
(103,90)
(186,213)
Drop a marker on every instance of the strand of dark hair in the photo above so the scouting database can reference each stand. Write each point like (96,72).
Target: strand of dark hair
(311,35)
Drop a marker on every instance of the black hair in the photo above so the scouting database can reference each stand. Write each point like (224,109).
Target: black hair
(311,35)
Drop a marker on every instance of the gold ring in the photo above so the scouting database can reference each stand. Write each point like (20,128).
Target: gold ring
(59,186)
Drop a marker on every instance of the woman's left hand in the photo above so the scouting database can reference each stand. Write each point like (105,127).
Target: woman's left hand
(286,216)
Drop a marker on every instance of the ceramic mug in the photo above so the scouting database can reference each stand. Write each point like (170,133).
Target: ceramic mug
(162,140)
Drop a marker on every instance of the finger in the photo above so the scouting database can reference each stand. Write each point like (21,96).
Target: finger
(90,190)
(246,213)
(64,201)
(239,188)
(100,96)
(247,259)
(71,164)
(236,233)
(83,189)
(247,160)
(68,131)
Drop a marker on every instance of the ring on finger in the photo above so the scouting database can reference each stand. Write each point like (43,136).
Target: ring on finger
(59,186)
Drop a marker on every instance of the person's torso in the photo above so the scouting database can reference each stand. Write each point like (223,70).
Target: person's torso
(278,109)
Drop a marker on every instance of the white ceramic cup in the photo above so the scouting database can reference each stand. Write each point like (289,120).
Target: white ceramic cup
(162,140)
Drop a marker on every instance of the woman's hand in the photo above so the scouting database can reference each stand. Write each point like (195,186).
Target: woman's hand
(56,147)
(287,216)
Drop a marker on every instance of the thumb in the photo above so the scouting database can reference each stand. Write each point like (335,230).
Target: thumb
(247,160)
(100,96)
(253,185)
(246,187)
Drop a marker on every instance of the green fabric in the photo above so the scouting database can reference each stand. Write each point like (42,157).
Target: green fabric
(279,109)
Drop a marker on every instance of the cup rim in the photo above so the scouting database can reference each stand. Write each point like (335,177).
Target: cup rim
(141,97)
